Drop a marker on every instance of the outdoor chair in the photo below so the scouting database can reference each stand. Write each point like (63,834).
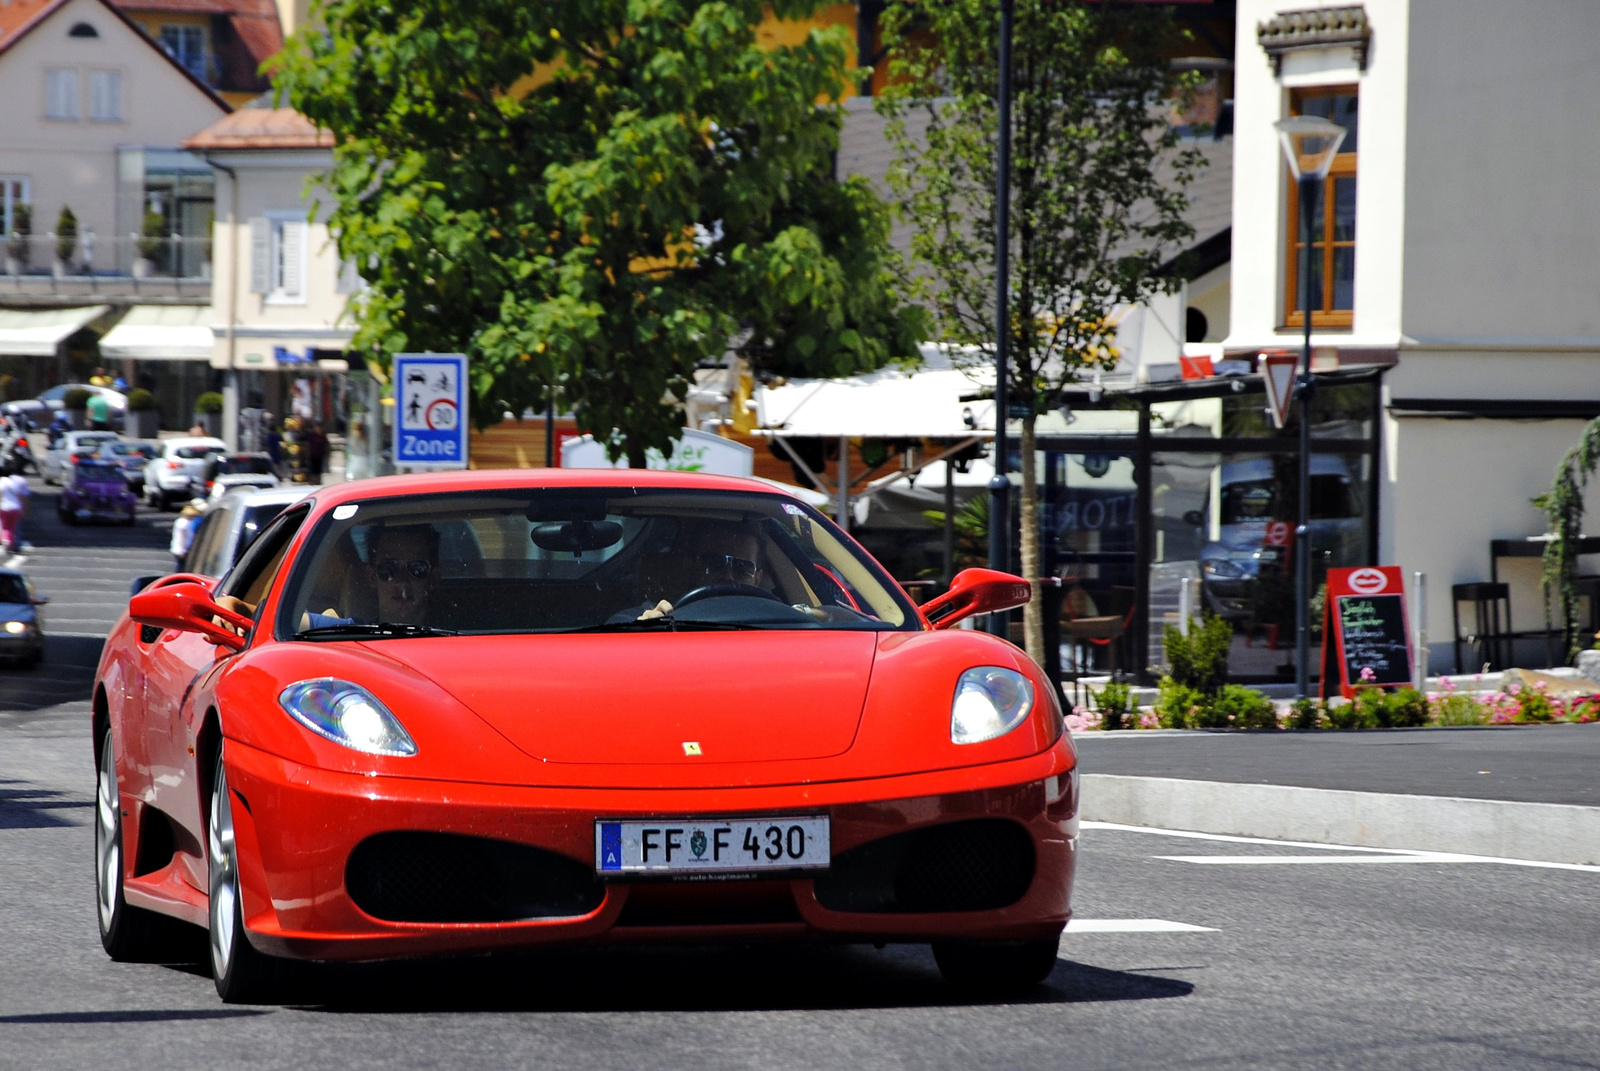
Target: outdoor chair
(1490,638)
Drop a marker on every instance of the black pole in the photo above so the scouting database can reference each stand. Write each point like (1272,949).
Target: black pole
(550,459)
(999,485)
(1304,389)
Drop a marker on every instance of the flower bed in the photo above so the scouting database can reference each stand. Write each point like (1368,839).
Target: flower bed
(1236,707)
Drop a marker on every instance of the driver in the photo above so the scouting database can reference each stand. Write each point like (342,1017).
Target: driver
(707,553)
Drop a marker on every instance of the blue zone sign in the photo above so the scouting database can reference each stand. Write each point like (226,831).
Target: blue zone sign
(430,402)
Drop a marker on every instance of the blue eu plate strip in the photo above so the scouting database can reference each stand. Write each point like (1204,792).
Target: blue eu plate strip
(610,845)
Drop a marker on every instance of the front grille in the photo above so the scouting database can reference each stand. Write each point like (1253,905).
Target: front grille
(445,877)
(975,865)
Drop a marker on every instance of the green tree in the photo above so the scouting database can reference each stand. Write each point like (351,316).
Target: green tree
(595,196)
(1091,217)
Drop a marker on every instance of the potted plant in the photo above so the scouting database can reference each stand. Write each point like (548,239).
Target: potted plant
(66,240)
(19,240)
(74,403)
(150,245)
(208,412)
(143,420)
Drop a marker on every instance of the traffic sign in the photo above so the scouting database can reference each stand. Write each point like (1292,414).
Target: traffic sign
(430,400)
(1277,369)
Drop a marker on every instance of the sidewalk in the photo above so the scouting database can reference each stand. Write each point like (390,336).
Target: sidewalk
(1525,792)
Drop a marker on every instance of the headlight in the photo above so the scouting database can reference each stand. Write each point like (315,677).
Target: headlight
(16,628)
(989,702)
(347,714)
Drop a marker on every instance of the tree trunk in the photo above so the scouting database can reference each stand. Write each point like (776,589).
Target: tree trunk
(1033,613)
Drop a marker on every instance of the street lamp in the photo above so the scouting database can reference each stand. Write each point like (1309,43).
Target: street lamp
(999,484)
(1309,145)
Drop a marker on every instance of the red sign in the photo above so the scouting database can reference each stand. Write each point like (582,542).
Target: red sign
(1196,367)
(1365,638)
(1279,534)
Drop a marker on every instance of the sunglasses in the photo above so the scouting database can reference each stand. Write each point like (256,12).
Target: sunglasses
(390,568)
(741,569)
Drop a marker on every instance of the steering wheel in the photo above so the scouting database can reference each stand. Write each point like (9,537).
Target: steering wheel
(713,591)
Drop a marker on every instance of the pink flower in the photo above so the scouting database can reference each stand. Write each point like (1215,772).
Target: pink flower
(1501,717)
(1149,720)
(1367,674)
(1082,719)
(1541,685)
(1446,684)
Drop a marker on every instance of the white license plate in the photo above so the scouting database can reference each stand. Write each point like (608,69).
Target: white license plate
(701,846)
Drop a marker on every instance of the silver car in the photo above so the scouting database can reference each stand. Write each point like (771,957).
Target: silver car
(178,472)
(231,524)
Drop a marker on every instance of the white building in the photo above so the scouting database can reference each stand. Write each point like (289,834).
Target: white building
(1465,254)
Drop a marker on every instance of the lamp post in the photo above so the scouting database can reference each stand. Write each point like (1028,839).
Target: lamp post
(999,485)
(1309,145)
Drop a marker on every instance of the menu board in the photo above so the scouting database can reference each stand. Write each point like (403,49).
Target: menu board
(1364,629)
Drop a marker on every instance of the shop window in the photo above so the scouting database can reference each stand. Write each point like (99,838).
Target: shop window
(61,93)
(1333,227)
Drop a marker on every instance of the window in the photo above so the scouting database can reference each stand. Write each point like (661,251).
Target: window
(61,93)
(187,45)
(278,258)
(1333,248)
(105,96)
(13,195)
(82,29)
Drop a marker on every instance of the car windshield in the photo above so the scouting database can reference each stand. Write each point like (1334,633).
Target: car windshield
(12,589)
(130,449)
(193,453)
(236,466)
(92,471)
(583,560)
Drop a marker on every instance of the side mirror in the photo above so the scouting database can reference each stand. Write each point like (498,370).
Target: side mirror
(977,591)
(40,600)
(183,601)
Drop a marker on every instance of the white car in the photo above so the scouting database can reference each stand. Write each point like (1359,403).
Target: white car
(73,446)
(178,469)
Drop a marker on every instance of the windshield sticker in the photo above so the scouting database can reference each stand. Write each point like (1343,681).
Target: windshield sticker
(345,512)
(793,510)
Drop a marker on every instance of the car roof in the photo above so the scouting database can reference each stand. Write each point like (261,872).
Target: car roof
(511,479)
(269,497)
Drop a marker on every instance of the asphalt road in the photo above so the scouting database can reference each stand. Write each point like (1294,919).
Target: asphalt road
(1528,763)
(1371,960)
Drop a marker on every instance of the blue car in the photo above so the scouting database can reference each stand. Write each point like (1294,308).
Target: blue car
(21,629)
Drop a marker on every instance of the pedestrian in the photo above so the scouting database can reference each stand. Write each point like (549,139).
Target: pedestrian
(272,443)
(317,452)
(100,378)
(198,430)
(99,412)
(14,492)
(183,531)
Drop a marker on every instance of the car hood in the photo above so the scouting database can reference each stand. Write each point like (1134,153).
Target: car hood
(643,699)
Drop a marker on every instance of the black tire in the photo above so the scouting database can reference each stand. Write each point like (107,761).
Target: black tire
(128,934)
(243,975)
(995,968)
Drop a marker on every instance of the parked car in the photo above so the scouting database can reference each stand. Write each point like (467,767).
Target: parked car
(21,624)
(177,473)
(41,410)
(227,472)
(232,524)
(69,449)
(96,491)
(131,456)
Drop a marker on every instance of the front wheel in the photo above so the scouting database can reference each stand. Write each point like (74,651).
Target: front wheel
(995,967)
(242,974)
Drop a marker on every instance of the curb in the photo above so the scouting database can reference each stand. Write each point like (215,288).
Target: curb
(1541,832)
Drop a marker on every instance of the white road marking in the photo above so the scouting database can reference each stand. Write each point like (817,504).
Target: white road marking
(15,561)
(1395,854)
(1134,926)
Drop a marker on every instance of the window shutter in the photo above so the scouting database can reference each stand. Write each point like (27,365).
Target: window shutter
(62,95)
(105,95)
(260,256)
(293,283)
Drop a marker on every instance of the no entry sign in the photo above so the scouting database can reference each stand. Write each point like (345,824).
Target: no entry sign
(430,398)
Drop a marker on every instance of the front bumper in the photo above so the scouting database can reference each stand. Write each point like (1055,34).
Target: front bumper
(296,828)
(28,644)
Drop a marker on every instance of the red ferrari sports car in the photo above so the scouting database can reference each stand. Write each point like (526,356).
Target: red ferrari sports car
(472,711)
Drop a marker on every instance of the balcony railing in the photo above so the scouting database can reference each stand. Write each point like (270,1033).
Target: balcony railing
(91,264)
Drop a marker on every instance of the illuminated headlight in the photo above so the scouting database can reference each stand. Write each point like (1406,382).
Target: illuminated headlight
(16,628)
(990,702)
(347,714)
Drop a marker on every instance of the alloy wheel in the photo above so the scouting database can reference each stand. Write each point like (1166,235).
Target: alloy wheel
(224,877)
(107,839)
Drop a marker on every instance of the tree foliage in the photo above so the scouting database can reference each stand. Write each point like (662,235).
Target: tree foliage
(595,196)
(1563,508)
(1092,217)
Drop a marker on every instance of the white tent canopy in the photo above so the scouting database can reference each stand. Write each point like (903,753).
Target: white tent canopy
(37,333)
(161,333)
(888,404)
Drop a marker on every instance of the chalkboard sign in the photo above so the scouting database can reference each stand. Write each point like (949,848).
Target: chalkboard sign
(1364,628)
(1372,635)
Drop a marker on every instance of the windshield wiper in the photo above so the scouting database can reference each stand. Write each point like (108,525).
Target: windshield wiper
(382,628)
(665,623)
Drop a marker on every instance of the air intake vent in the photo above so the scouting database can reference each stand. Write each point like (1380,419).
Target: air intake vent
(975,865)
(445,877)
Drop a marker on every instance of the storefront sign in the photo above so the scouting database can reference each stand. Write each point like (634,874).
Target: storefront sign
(430,399)
(1364,636)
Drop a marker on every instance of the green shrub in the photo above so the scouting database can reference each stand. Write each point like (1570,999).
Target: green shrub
(76,398)
(1116,706)
(154,236)
(1458,709)
(1352,715)
(140,400)
(1307,714)
(66,234)
(17,243)
(1404,708)
(1534,706)
(1200,659)
(209,402)
(1177,705)
(1237,707)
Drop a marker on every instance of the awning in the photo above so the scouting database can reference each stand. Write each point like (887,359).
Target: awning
(161,333)
(37,332)
(889,404)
